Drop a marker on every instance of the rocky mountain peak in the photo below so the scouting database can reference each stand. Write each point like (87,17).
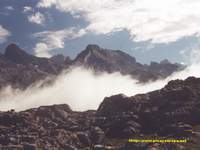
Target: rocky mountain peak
(58,59)
(92,47)
(165,61)
(103,59)
(16,54)
(12,46)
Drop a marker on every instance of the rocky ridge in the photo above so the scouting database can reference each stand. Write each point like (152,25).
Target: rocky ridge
(20,69)
(99,59)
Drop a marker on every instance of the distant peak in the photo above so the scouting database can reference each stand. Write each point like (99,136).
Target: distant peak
(12,46)
(91,47)
(58,59)
(15,53)
(13,49)
(165,61)
(58,56)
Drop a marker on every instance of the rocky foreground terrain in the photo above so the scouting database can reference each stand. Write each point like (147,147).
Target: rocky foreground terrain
(170,113)
(20,69)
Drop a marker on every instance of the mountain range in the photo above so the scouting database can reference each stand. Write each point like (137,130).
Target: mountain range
(169,113)
(20,69)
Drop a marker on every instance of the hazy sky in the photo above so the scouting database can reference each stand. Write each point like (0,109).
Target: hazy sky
(146,29)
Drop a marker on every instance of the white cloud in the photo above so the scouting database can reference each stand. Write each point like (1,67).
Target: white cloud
(46,3)
(9,7)
(42,50)
(156,20)
(50,40)
(37,18)
(4,34)
(27,9)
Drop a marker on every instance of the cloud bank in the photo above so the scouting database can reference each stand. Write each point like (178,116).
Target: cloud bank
(80,88)
(154,20)
(83,90)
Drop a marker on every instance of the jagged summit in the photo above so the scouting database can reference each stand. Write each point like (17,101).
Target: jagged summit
(165,61)
(103,59)
(91,47)
(99,59)
(58,59)
(12,46)
(16,54)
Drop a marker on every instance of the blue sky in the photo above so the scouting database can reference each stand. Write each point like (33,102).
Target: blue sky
(146,29)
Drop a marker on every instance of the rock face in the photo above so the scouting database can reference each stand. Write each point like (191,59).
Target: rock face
(176,102)
(104,60)
(60,59)
(19,56)
(18,75)
(110,61)
(170,113)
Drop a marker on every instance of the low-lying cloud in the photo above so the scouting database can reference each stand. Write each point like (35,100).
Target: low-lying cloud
(82,89)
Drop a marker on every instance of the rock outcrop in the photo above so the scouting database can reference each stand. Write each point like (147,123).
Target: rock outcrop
(170,113)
